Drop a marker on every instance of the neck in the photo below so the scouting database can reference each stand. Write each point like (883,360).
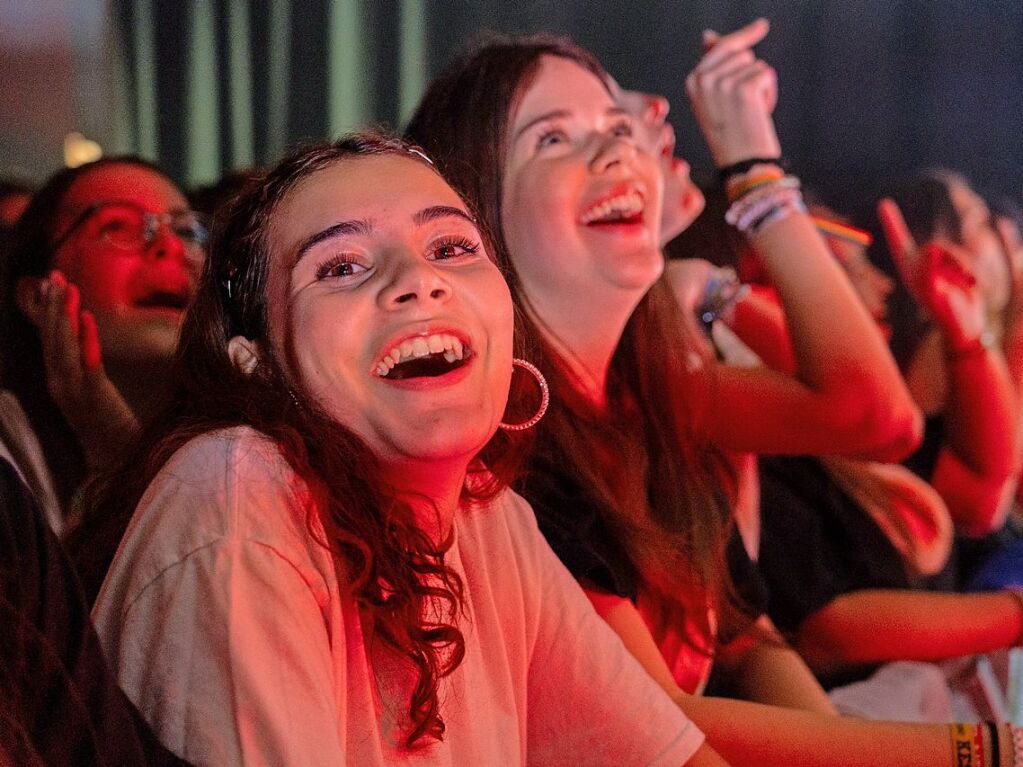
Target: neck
(586,333)
(433,489)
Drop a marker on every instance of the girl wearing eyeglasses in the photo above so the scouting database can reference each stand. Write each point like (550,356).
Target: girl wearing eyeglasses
(103,264)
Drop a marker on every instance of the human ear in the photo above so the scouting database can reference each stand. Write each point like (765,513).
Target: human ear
(31,299)
(244,354)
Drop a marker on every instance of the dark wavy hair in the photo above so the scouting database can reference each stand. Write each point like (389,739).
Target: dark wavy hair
(463,122)
(31,255)
(385,561)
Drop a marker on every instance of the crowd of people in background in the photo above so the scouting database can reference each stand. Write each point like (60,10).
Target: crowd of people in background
(503,442)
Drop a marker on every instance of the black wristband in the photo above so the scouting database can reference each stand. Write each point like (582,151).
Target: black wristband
(744,166)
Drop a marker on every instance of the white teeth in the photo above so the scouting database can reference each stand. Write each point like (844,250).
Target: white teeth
(620,207)
(420,346)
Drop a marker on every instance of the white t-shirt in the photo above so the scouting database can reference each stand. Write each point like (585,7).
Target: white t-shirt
(225,621)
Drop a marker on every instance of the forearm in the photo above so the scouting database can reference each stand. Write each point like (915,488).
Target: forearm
(763,668)
(981,412)
(978,462)
(759,321)
(877,626)
(837,348)
(766,736)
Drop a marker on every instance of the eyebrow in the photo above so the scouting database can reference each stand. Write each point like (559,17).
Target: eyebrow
(435,212)
(357,226)
(364,226)
(555,114)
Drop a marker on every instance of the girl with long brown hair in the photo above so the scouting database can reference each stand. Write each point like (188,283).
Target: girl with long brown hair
(630,477)
(321,570)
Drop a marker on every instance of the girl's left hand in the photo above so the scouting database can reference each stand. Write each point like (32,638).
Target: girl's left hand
(733,95)
(937,275)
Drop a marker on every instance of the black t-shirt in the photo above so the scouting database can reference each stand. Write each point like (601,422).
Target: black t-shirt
(816,542)
(576,529)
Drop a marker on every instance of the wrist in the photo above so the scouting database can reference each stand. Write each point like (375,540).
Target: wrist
(727,147)
(747,167)
(986,745)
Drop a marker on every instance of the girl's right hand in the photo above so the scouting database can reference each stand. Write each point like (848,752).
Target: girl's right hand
(937,276)
(75,377)
(733,95)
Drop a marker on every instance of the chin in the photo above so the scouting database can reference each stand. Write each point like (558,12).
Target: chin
(444,444)
(641,271)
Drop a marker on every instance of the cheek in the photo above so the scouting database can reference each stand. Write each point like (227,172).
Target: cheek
(104,281)
(541,204)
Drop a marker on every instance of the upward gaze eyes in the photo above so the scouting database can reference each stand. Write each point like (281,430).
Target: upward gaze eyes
(348,267)
(554,136)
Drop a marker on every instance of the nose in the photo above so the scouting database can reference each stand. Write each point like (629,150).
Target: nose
(613,151)
(166,244)
(415,282)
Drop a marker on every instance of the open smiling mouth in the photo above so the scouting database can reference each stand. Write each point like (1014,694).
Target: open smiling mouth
(424,357)
(620,209)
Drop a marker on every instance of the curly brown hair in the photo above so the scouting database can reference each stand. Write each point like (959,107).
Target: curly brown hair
(395,572)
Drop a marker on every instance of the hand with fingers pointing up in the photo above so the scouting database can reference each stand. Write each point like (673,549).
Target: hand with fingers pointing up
(733,95)
(937,276)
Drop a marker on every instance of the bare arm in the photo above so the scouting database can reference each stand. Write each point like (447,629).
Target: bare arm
(975,472)
(767,736)
(621,615)
(846,396)
(876,626)
(765,669)
(977,462)
(756,735)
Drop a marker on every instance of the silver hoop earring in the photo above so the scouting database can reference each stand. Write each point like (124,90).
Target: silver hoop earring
(545,397)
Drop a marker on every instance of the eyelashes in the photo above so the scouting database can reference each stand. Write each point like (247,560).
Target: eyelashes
(554,135)
(452,247)
(348,265)
(340,265)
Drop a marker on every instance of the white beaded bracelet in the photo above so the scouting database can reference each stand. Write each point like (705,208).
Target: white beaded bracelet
(765,205)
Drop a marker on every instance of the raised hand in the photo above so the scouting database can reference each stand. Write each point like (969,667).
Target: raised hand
(937,276)
(733,95)
(75,376)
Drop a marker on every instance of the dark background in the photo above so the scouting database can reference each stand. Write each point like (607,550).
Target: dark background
(869,91)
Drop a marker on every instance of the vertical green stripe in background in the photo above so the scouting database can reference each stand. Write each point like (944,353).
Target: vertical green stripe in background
(239,83)
(412,63)
(278,63)
(346,73)
(121,135)
(202,161)
(145,79)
